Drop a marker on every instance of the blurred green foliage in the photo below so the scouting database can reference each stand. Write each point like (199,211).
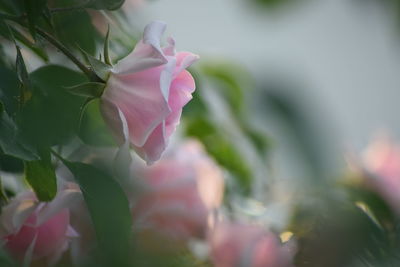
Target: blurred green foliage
(109,210)
(336,233)
(41,175)
(93,130)
(51,115)
(221,149)
(232,83)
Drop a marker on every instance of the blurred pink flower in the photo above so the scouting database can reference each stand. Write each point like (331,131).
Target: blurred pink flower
(382,159)
(147,90)
(179,194)
(234,244)
(32,230)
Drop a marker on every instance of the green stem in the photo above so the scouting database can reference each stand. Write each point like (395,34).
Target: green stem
(89,73)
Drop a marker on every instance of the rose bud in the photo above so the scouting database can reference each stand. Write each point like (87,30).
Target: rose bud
(382,160)
(31,230)
(148,89)
(234,244)
(179,193)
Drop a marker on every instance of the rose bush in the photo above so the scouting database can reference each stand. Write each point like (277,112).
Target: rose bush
(148,89)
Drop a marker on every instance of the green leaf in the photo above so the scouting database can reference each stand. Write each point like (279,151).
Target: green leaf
(106,4)
(90,89)
(107,59)
(260,141)
(11,164)
(74,28)
(22,73)
(34,9)
(9,90)
(48,17)
(14,7)
(52,114)
(93,130)
(231,80)
(101,69)
(109,210)
(9,141)
(41,175)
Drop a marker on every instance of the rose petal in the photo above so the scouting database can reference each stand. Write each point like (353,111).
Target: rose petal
(140,99)
(147,53)
(184,60)
(170,49)
(14,214)
(180,94)
(155,145)
(63,200)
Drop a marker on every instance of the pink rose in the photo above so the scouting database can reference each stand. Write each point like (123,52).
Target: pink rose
(247,245)
(32,230)
(148,90)
(179,193)
(382,159)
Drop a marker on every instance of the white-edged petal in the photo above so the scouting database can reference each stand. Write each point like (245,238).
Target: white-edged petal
(63,200)
(147,53)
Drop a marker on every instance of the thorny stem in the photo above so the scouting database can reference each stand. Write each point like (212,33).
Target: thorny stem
(88,72)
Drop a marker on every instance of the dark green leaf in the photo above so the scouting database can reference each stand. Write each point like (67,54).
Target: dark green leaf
(41,175)
(109,209)
(22,73)
(106,4)
(48,17)
(90,89)
(231,81)
(107,59)
(34,9)
(52,114)
(15,7)
(93,130)
(9,141)
(9,90)
(74,28)
(11,164)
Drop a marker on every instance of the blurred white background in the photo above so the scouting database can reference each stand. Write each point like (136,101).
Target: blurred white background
(344,53)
